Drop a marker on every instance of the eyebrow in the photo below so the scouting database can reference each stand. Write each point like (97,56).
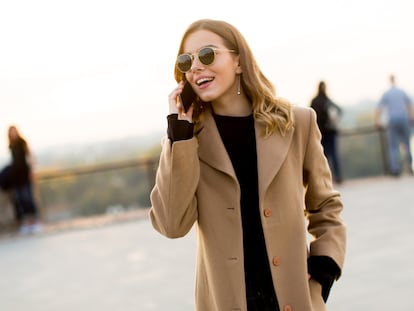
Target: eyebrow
(204,46)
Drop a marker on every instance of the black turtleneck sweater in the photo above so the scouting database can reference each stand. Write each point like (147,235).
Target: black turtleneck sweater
(238,135)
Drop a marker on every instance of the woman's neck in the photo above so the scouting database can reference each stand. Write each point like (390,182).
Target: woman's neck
(237,106)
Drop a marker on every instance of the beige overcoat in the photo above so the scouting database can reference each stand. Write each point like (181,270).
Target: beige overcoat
(196,184)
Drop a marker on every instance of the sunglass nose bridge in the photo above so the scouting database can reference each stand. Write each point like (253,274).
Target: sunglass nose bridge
(196,64)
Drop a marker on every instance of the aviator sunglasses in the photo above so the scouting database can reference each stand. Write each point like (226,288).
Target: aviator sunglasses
(206,56)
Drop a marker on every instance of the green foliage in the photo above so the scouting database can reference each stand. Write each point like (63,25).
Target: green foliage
(96,193)
(361,155)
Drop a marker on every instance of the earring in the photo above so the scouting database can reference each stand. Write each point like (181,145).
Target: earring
(238,86)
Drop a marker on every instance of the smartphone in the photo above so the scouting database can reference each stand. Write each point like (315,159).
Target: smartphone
(187,96)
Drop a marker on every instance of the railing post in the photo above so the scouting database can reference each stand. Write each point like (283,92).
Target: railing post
(384,149)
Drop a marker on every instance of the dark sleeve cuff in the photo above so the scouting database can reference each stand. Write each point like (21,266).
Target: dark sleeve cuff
(179,129)
(324,270)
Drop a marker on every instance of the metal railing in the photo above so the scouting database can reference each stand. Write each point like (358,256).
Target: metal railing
(58,192)
(149,165)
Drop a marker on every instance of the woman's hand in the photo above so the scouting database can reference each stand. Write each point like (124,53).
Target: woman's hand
(176,106)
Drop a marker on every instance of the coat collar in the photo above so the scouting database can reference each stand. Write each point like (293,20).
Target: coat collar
(211,148)
(271,151)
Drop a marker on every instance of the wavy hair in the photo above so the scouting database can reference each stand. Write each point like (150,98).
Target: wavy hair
(275,113)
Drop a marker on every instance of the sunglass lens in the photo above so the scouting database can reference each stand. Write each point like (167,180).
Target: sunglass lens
(184,62)
(206,56)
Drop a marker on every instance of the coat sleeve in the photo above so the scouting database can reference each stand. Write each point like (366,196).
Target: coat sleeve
(173,201)
(323,204)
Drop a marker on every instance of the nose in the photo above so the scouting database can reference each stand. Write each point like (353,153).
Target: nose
(196,65)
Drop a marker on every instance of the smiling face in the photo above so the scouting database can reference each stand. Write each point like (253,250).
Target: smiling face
(215,82)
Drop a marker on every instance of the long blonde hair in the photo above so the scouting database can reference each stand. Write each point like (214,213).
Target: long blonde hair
(275,113)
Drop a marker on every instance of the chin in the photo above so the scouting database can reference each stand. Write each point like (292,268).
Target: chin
(207,98)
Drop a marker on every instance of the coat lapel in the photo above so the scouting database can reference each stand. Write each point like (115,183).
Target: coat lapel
(271,152)
(211,147)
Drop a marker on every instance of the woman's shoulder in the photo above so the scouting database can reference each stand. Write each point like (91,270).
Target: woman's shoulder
(301,112)
(303,117)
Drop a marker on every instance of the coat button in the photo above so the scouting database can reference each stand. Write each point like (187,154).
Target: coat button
(267,212)
(287,308)
(276,261)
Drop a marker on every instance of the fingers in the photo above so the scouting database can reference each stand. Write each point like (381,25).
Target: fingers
(173,98)
(175,106)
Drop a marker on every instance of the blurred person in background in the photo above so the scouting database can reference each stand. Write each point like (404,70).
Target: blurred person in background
(247,168)
(20,180)
(398,110)
(328,114)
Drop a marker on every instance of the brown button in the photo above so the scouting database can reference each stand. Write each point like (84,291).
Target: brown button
(276,261)
(267,212)
(287,308)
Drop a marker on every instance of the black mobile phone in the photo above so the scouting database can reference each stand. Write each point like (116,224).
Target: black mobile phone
(187,96)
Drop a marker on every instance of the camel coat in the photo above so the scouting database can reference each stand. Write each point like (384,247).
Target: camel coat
(196,184)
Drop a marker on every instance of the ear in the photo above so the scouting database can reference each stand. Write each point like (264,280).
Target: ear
(238,68)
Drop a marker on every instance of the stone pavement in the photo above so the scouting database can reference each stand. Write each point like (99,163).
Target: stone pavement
(125,265)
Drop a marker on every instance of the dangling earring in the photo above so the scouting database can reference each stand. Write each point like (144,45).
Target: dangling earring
(238,85)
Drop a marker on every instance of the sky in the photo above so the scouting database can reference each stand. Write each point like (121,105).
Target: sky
(82,71)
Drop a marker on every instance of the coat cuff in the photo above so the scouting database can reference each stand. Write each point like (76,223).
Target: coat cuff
(324,270)
(179,129)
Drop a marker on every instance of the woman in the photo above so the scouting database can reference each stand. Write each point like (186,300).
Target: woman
(327,113)
(243,166)
(21,178)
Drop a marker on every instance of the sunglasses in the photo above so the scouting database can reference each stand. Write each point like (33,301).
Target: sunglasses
(205,55)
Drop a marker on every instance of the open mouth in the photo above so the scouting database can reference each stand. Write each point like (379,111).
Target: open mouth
(202,81)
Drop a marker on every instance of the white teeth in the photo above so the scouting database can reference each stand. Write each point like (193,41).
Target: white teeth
(202,80)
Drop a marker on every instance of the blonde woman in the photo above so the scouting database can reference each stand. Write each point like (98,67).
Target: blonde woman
(245,167)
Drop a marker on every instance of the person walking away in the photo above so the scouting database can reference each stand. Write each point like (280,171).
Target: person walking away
(398,109)
(246,167)
(328,114)
(21,182)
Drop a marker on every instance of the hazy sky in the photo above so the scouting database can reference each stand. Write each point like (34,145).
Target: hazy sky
(86,70)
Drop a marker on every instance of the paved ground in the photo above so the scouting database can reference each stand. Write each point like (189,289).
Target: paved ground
(125,265)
